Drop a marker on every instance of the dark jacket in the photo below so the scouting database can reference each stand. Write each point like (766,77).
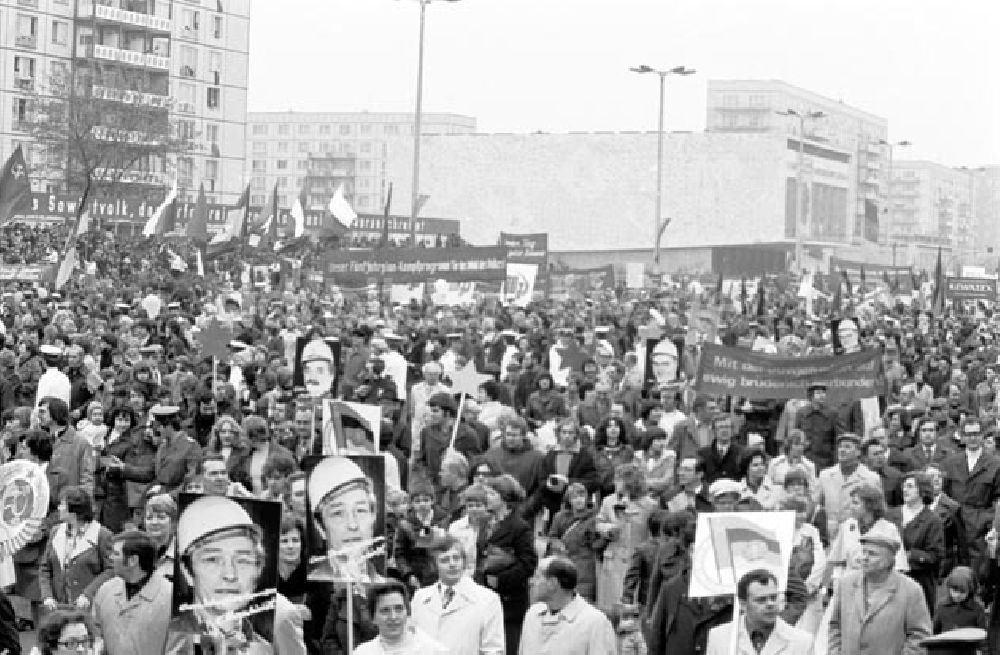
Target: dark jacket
(923,541)
(678,624)
(582,469)
(635,588)
(125,485)
(955,539)
(524,464)
(976,492)
(717,466)
(509,579)
(821,427)
(579,541)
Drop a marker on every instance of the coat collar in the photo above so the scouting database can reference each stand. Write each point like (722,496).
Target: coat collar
(60,541)
(879,600)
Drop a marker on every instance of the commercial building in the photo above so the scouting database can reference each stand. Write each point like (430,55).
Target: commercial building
(752,106)
(187,58)
(284,146)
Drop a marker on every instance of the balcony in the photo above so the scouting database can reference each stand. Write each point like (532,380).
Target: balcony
(128,57)
(185,107)
(25,83)
(26,41)
(130,97)
(112,14)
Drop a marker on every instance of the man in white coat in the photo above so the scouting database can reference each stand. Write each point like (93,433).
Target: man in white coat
(455,611)
(762,632)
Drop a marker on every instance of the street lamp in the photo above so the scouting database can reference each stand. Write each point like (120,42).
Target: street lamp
(799,230)
(888,194)
(417,120)
(658,229)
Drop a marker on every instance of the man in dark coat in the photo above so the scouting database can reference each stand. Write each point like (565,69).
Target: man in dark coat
(722,458)
(680,624)
(821,425)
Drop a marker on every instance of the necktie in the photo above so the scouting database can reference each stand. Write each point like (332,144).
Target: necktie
(929,453)
(447,594)
(758,640)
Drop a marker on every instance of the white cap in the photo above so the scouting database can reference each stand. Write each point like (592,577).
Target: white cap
(208,515)
(49,349)
(330,475)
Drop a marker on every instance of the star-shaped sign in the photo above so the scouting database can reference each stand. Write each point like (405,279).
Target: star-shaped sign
(571,356)
(467,380)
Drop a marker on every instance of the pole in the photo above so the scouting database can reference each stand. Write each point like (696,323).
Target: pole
(799,223)
(417,120)
(659,173)
(892,212)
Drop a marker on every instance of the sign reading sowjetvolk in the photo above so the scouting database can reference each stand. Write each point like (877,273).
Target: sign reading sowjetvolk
(971,288)
(735,371)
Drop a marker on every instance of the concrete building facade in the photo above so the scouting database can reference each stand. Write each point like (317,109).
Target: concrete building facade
(188,57)
(752,106)
(281,144)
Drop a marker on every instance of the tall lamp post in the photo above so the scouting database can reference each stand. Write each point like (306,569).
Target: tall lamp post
(799,228)
(677,70)
(888,195)
(417,121)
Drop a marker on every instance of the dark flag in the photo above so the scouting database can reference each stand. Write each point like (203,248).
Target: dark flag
(761,299)
(838,294)
(385,218)
(885,279)
(197,227)
(937,305)
(864,284)
(15,187)
(743,295)
(847,281)
(718,290)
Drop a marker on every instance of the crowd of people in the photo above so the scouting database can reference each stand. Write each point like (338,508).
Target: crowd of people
(553,510)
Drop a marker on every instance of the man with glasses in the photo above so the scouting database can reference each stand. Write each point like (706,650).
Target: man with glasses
(972,478)
(457,612)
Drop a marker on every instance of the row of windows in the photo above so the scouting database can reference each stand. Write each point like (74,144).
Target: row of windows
(327,129)
(259,183)
(285,201)
(364,165)
(333,147)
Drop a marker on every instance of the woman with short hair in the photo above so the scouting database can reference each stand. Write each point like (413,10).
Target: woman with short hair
(76,554)
(922,533)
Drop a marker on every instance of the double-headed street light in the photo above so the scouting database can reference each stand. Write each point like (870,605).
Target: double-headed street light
(417,120)
(799,228)
(658,227)
(891,228)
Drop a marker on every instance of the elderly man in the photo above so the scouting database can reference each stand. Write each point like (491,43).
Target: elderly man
(760,628)
(462,615)
(132,609)
(561,622)
(838,482)
(878,610)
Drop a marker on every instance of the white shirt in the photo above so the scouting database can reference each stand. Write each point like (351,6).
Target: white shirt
(414,642)
(971,456)
(53,382)
(395,368)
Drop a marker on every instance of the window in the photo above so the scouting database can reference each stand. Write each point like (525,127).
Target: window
(24,68)
(365,129)
(215,67)
(60,32)
(730,100)
(362,201)
(304,128)
(303,146)
(283,129)
(20,112)
(364,183)
(185,130)
(324,146)
(325,129)
(259,165)
(282,146)
(366,147)
(185,169)
(27,31)
(345,130)
(190,22)
(189,61)
(258,200)
(302,164)
(213,97)
(58,71)
(260,147)
(366,165)
(217,27)
(212,169)
(390,130)
(282,182)
(282,164)
(257,182)
(260,130)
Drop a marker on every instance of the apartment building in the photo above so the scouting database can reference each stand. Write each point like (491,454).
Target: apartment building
(933,203)
(188,58)
(284,146)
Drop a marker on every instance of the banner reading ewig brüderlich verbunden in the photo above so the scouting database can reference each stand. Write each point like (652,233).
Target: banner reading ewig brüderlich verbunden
(739,372)
(356,268)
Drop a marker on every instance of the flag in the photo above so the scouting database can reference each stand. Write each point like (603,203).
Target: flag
(199,263)
(863,282)
(341,209)
(847,282)
(341,414)
(236,226)
(718,290)
(15,187)
(299,214)
(162,220)
(70,258)
(937,304)
(838,294)
(177,262)
(761,298)
(264,233)
(197,227)
(743,295)
(741,545)
(385,218)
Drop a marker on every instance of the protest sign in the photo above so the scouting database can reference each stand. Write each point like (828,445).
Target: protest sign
(26,273)
(581,282)
(356,268)
(635,275)
(520,286)
(24,502)
(351,428)
(729,545)
(735,371)
(970,288)
(526,248)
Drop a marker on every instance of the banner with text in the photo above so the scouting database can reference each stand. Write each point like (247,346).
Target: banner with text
(739,372)
(356,268)
(971,288)
(581,282)
(25,273)
(526,248)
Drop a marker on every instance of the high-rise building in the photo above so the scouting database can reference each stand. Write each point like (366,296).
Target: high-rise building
(933,204)
(188,58)
(842,132)
(283,145)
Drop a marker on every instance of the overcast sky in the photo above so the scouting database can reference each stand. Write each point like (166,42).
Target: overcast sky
(928,66)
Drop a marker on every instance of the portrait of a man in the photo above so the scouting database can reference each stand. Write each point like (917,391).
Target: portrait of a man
(846,335)
(316,366)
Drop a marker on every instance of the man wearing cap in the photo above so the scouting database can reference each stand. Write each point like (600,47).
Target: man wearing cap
(878,610)
(837,483)
(222,557)
(821,426)
(53,383)
(345,506)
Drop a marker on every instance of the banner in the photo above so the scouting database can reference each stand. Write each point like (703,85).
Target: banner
(970,288)
(356,268)
(351,428)
(873,272)
(737,372)
(521,283)
(26,273)
(581,282)
(526,248)
(635,275)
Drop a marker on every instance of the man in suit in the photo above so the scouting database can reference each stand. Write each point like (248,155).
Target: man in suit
(691,492)
(955,541)
(695,433)
(722,457)
(929,449)
(972,479)
(761,632)
(876,459)
(457,612)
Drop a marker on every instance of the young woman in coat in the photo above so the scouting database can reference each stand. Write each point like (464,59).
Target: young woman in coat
(922,533)
(561,467)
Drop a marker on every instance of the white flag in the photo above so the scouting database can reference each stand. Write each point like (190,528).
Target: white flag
(341,209)
(299,218)
(66,268)
(150,228)
(199,264)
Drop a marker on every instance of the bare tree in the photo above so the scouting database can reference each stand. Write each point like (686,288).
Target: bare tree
(101,139)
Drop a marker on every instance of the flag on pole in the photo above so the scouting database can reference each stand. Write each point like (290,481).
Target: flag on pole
(177,262)
(264,233)
(743,295)
(197,227)
(299,214)
(236,226)
(341,209)
(163,219)
(199,263)
(847,282)
(15,187)
(864,284)
(937,304)
(761,299)
(70,257)
(385,218)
